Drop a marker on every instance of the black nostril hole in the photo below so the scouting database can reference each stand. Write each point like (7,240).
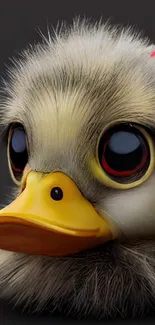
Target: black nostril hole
(56,193)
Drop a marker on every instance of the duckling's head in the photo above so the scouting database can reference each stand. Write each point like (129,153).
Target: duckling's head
(79,115)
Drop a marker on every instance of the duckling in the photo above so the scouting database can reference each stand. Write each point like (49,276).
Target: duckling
(79,116)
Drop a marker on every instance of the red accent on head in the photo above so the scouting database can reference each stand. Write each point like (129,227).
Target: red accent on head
(153,54)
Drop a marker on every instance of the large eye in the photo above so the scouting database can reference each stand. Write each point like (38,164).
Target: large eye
(125,156)
(17,151)
(124,153)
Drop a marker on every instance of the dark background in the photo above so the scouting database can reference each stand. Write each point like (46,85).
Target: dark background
(19,24)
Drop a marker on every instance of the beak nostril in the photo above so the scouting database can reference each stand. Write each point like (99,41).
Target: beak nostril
(56,193)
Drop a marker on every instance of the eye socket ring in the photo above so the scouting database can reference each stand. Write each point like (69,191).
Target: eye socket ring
(16,172)
(103,177)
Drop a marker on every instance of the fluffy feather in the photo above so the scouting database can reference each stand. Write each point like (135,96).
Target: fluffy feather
(65,91)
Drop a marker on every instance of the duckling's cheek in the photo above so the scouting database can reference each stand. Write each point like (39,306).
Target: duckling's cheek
(133,210)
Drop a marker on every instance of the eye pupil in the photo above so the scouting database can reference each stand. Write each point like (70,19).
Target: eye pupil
(124,153)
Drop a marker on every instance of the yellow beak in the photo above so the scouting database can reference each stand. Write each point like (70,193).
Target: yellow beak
(51,217)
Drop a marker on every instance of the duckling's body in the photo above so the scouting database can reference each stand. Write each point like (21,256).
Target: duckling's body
(65,93)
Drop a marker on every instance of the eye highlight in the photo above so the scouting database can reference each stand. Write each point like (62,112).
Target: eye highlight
(18,140)
(17,151)
(125,156)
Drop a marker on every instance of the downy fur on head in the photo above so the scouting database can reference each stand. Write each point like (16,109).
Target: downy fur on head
(65,91)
